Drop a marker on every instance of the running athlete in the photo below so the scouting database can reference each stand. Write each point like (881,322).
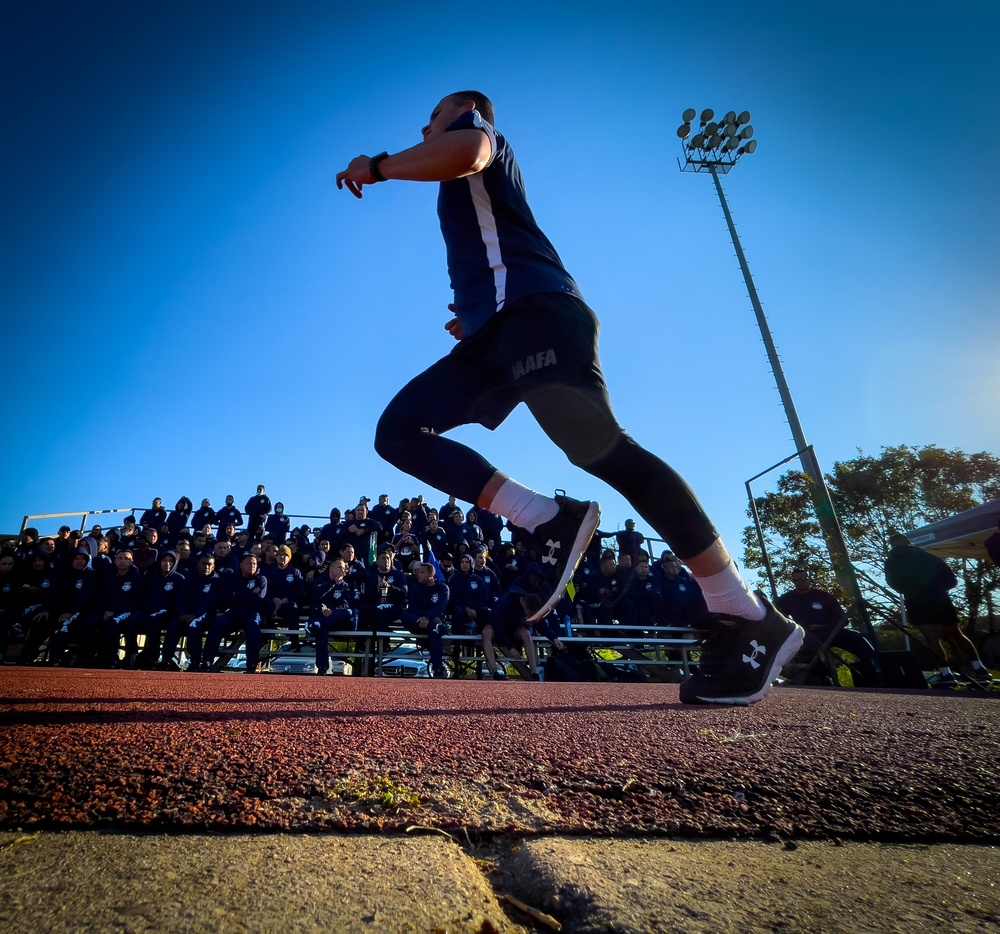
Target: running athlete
(525,334)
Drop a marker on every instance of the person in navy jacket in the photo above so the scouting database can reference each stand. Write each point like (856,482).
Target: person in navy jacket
(434,538)
(484,567)
(8,599)
(226,557)
(278,524)
(286,590)
(333,531)
(159,606)
(205,515)
(37,592)
(426,613)
(155,516)
(508,626)
(406,544)
(821,615)
(178,520)
(386,515)
(333,603)
(444,513)
(360,532)
(492,526)
(198,603)
(470,598)
(121,595)
(229,514)
(187,561)
(247,613)
(473,531)
(257,509)
(459,539)
(645,592)
(75,600)
(384,593)
(684,603)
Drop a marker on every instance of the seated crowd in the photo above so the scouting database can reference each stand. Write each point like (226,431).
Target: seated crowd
(128,597)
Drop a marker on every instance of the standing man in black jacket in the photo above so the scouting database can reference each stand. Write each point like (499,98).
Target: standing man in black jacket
(257,509)
(924,580)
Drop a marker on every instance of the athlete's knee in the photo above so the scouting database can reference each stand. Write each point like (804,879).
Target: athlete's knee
(590,449)
(604,452)
(393,437)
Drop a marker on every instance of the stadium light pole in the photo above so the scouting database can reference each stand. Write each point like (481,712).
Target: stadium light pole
(716,147)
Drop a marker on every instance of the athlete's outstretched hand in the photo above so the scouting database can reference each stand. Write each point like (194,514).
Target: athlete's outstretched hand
(453,327)
(356,175)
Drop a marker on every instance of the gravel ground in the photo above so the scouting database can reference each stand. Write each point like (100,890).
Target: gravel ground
(172,752)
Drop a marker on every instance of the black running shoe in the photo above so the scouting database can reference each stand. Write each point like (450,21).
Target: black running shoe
(562,542)
(742,658)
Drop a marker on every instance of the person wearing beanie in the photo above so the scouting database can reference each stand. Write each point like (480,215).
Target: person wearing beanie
(278,524)
(159,606)
(179,518)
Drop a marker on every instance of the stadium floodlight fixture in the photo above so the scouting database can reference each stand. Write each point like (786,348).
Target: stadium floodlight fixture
(719,144)
(716,148)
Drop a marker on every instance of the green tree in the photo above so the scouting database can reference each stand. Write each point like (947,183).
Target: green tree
(903,488)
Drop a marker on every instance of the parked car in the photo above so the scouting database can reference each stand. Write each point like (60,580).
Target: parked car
(407,661)
(287,662)
(406,668)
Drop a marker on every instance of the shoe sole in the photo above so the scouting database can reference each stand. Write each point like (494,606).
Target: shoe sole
(591,520)
(788,650)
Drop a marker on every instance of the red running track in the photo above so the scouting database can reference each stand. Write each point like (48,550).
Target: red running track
(193,752)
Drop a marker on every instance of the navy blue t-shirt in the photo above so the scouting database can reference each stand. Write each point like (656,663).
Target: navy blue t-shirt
(496,252)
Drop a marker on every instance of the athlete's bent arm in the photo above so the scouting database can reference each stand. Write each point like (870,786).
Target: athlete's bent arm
(441,159)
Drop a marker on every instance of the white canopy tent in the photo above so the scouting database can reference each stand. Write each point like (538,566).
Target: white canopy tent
(961,535)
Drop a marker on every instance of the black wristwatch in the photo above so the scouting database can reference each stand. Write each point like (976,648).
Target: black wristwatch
(373,166)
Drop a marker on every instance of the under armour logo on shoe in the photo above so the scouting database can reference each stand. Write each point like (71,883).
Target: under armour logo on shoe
(553,547)
(757,650)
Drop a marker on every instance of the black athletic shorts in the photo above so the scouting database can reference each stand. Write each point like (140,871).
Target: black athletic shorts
(542,350)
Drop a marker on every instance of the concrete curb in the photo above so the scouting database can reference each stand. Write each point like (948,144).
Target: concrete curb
(94,881)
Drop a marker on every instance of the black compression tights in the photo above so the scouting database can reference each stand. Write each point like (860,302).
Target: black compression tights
(595,443)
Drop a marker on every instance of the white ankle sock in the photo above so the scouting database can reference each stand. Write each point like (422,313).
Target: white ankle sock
(727,592)
(523,506)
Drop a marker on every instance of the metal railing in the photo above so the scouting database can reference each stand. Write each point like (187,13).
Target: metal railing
(85,515)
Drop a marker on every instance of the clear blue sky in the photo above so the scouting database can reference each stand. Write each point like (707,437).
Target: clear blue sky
(190,307)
